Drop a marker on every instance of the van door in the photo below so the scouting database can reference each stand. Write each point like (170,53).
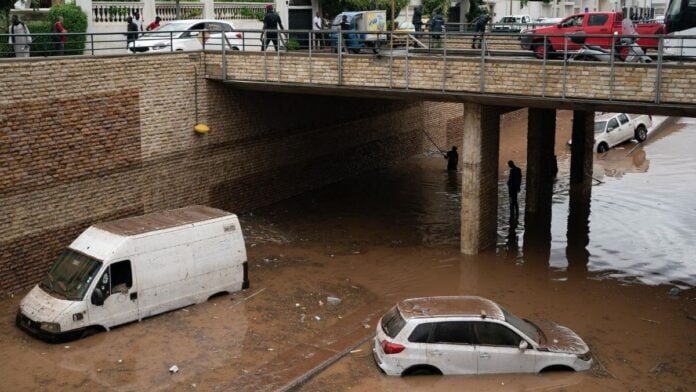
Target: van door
(120,296)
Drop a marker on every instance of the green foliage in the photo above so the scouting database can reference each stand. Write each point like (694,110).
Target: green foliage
(431,5)
(293,44)
(75,21)
(41,45)
(476,8)
(335,7)
(257,14)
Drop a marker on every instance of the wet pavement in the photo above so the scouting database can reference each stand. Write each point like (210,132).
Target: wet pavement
(392,234)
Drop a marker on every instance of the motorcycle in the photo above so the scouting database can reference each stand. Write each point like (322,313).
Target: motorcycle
(626,49)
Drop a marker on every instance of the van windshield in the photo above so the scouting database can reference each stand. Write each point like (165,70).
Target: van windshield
(70,275)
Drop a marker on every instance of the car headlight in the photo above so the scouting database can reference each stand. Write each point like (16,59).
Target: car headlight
(585,357)
(50,327)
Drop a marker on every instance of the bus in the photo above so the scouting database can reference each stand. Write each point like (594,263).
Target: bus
(680,20)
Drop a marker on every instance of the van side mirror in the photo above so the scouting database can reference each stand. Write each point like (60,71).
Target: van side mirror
(523,345)
(98,297)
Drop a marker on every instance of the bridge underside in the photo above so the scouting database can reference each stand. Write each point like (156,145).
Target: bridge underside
(512,101)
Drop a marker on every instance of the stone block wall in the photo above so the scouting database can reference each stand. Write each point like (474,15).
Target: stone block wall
(630,82)
(93,139)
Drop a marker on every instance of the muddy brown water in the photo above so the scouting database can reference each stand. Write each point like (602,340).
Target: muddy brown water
(392,234)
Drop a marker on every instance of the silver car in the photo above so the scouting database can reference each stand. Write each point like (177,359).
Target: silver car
(471,335)
(188,35)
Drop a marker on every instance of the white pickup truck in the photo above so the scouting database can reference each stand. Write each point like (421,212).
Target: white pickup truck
(612,129)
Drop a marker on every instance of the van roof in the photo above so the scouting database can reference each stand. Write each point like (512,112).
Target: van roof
(161,220)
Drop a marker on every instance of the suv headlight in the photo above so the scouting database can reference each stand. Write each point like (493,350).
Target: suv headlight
(585,357)
(50,327)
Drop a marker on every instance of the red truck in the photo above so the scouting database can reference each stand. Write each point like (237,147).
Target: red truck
(590,23)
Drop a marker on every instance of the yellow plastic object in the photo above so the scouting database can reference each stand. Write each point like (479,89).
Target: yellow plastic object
(201,128)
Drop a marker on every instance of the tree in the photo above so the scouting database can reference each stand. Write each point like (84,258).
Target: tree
(5,7)
(476,8)
(431,5)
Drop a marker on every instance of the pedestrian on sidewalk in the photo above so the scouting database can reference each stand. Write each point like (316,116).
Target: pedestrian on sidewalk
(452,159)
(154,24)
(317,25)
(60,36)
(514,184)
(480,28)
(20,37)
(271,22)
(131,33)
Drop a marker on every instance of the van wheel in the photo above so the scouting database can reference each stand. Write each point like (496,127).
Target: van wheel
(422,370)
(641,133)
(602,148)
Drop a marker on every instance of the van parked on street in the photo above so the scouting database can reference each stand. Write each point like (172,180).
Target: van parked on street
(129,269)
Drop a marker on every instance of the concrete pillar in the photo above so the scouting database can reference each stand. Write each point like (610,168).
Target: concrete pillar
(541,138)
(580,193)
(149,12)
(208,9)
(479,160)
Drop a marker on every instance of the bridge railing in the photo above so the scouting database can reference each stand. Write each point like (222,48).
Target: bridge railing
(551,65)
(548,65)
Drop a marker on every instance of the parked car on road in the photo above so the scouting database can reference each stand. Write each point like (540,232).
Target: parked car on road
(599,27)
(612,129)
(471,335)
(187,35)
(511,24)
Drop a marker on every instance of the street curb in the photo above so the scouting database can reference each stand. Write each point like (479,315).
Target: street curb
(322,366)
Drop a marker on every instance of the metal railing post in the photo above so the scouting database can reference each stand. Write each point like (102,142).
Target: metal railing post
(658,73)
(171,41)
(565,63)
(91,44)
(612,53)
(275,46)
(543,71)
(311,42)
(406,70)
(340,57)
(482,68)
(243,42)
(444,61)
(265,56)
(223,64)
(391,61)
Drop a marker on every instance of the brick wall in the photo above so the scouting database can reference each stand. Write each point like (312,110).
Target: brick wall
(631,82)
(93,139)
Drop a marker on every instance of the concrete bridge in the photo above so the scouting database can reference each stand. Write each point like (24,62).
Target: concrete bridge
(488,87)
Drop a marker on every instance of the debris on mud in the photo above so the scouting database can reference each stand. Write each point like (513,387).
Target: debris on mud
(173,369)
(333,300)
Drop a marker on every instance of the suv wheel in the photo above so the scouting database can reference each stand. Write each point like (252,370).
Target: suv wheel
(422,370)
(602,148)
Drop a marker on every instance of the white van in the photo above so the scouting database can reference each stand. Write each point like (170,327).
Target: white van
(129,269)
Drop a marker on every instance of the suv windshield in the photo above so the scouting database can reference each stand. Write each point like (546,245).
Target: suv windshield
(393,322)
(70,275)
(524,327)
(599,126)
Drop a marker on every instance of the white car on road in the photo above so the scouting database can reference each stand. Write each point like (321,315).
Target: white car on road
(471,335)
(612,129)
(188,35)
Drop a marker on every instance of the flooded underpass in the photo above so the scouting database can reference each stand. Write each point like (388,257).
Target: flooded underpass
(384,236)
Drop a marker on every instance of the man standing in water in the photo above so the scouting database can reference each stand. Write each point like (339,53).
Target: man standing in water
(514,183)
(452,159)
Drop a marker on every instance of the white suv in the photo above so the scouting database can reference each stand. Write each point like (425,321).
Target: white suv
(471,335)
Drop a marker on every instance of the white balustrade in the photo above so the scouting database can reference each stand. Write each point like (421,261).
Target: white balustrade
(239,11)
(114,11)
(119,11)
(188,10)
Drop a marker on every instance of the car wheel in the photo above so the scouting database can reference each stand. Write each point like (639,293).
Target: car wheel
(641,134)
(540,51)
(235,48)
(603,147)
(422,370)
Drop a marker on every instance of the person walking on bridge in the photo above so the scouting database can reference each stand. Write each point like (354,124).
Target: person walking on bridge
(452,159)
(480,28)
(514,184)
(20,37)
(271,22)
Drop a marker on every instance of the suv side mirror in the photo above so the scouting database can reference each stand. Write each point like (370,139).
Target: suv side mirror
(98,297)
(523,345)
